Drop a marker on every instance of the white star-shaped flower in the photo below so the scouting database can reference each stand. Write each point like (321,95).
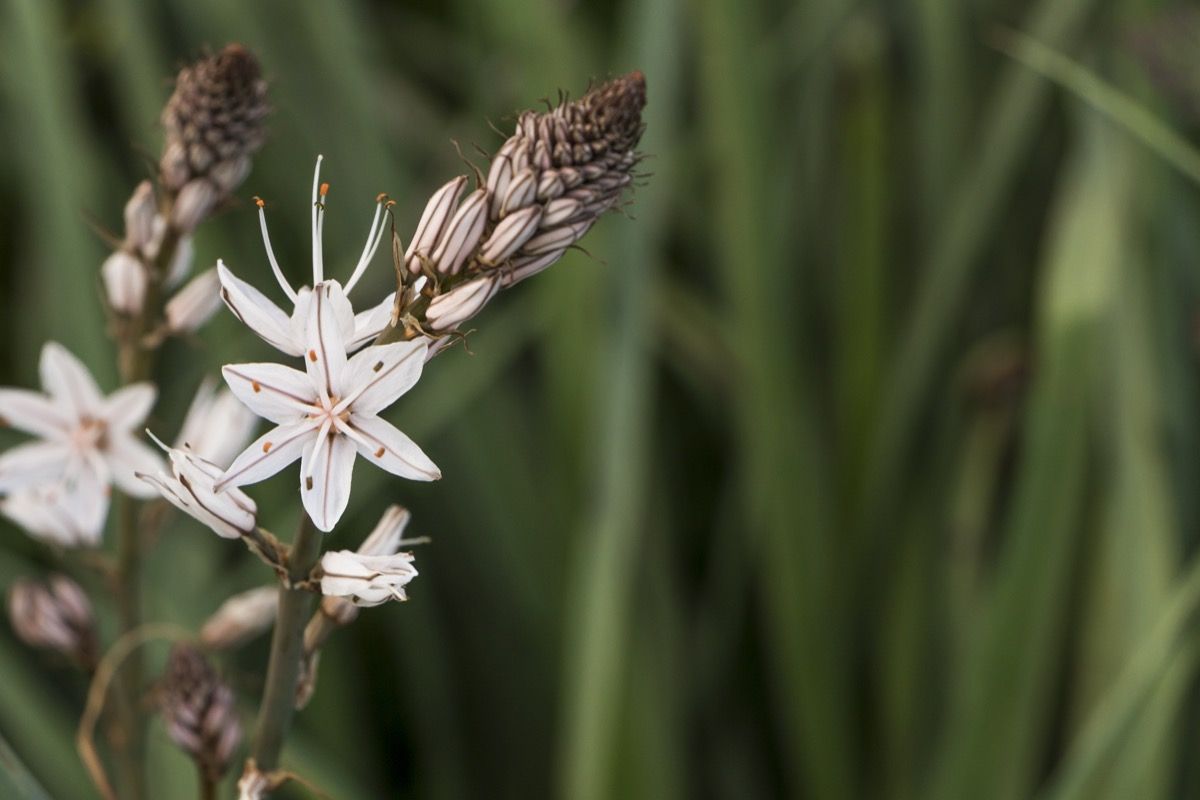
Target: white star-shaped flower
(327,414)
(86,444)
(285,332)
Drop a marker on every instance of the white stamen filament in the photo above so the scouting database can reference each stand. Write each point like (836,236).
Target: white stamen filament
(283,284)
(317,207)
(374,238)
(322,436)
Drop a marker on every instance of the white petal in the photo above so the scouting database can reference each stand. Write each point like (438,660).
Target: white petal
(83,498)
(257,312)
(325,480)
(273,391)
(371,323)
(33,413)
(385,539)
(381,374)
(32,464)
(268,454)
(384,445)
(32,510)
(126,456)
(324,341)
(127,408)
(67,380)
(230,513)
(217,426)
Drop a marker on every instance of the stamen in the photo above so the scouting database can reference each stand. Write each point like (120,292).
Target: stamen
(322,435)
(262,223)
(317,208)
(373,240)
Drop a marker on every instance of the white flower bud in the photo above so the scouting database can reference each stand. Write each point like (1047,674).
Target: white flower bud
(195,303)
(217,426)
(367,580)
(193,204)
(555,239)
(527,267)
(521,192)
(174,166)
(512,232)
(230,514)
(560,210)
(124,282)
(241,618)
(228,175)
(462,234)
(140,212)
(452,309)
(433,222)
(500,175)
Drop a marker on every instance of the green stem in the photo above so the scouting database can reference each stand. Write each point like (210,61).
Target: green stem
(287,646)
(135,361)
(208,787)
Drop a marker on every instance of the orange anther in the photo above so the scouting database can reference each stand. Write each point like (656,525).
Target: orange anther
(379,453)
(324,189)
(312,356)
(267,446)
(258,201)
(256,386)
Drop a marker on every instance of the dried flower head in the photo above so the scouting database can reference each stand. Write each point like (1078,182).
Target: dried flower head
(214,123)
(199,712)
(546,186)
(55,615)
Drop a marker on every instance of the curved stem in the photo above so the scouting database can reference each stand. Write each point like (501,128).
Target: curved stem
(287,646)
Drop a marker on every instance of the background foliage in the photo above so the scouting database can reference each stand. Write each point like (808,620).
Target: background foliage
(860,464)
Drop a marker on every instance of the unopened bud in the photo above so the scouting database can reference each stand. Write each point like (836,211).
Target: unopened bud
(452,309)
(196,199)
(139,217)
(462,234)
(199,712)
(241,618)
(433,222)
(195,303)
(512,232)
(366,580)
(125,282)
(306,681)
(55,615)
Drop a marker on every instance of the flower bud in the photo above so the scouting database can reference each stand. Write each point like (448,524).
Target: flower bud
(512,232)
(241,618)
(230,514)
(140,212)
(195,303)
(199,711)
(433,222)
(556,239)
(217,426)
(125,282)
(462,234)
(56,615)
(446,312)
(196,199)
(366,580)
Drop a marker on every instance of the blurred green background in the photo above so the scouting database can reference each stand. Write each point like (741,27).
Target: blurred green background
(861,463)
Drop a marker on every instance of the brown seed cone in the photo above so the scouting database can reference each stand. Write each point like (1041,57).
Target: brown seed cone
(198,710)
(546,186)
(214,122)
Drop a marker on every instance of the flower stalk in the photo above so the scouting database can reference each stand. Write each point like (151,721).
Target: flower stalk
(287,648)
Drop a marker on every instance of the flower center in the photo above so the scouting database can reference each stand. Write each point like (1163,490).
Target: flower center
(92,434)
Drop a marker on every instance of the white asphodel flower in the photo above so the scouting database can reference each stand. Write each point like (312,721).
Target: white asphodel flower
(189,487)
(285,332)
(86,445)
(326,415)
(366,580)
